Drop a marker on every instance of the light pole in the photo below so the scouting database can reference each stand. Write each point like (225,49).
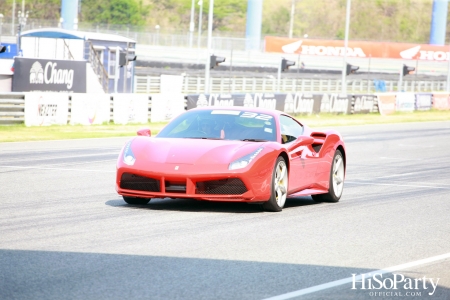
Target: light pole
(157,34)
(291,24)
(22,19)
(207,66)
(200,13)
(344,65)
(191,24)
(1,26)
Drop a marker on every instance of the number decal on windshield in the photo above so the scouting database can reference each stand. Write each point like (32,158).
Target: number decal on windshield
(256,116)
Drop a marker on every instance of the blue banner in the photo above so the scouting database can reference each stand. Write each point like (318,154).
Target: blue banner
(11,51)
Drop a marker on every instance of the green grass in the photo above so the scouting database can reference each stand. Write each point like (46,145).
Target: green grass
(17,133)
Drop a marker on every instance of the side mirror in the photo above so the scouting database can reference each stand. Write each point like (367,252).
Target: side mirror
(144,132)
(302,140)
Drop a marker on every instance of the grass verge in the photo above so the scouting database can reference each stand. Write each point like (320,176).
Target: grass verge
(18,133)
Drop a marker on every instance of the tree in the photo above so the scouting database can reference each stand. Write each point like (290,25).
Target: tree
(123,12)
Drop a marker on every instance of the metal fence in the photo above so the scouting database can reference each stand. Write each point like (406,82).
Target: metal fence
(196,85)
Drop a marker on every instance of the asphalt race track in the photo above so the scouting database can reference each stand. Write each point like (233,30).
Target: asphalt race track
(66,234)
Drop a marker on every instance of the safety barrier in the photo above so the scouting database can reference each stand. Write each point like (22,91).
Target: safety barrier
(196,85)
(36,109)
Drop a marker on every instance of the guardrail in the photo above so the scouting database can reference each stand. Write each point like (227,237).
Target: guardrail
(221,85)
(12,108)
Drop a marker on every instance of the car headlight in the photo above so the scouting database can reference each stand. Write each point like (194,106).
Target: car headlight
(244,161)
(128,155)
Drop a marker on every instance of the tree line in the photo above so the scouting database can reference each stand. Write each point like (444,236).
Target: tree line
(376,20)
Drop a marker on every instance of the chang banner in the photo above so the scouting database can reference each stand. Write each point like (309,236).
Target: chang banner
(88,109)
(44,109)
(363,104)
(32,74)
(336,103)
(261,100)
(300,103)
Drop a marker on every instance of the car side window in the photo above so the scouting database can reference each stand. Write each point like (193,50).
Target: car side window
(290,129)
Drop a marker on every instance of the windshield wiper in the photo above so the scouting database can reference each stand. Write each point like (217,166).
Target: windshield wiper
(202,138)
(254,140)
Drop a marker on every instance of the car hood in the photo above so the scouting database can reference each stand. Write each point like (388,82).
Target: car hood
(191,151)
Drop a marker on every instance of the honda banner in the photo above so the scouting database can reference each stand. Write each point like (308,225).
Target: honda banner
(44,75)
(356,49)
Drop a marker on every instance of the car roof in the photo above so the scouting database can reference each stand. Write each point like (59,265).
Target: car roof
(251,109)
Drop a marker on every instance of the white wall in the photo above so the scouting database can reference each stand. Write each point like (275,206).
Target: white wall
(52,48)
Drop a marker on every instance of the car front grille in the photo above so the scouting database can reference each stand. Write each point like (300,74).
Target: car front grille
(230,186)
(135,182)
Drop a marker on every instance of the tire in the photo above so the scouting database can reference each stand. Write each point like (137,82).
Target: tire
(279,186)
(336,180)
(136,201)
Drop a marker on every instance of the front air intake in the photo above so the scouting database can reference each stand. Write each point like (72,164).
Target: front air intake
(139,183)
(230,186)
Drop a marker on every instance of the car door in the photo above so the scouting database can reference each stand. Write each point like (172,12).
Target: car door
(302,165)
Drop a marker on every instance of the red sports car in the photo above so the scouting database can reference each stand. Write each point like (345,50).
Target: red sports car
(236,154)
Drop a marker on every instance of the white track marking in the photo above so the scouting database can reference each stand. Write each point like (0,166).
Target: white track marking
(50,157)
(56,169)
(336,283)
(407,185)
(399,175)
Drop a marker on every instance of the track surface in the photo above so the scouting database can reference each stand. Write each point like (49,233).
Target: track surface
(66,234)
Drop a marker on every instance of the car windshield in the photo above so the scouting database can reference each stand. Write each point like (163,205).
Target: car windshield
(222,124)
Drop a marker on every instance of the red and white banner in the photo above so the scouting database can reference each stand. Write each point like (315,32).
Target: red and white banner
(441,101)
(357,49)
(386,103)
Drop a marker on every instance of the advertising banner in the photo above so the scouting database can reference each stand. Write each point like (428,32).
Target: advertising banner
(423,101)
(441,101)
(300,103)
(88,109)
(166,106)
(356,49)
(405,102)
(130,108)
(386,103)
(171,84)
(44,109)
(11,51)
(336,103)
(261,100)
(32,74)
(364,104)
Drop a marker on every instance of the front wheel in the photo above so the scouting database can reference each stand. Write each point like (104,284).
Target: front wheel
(136,201)
(279,186)
(336,180)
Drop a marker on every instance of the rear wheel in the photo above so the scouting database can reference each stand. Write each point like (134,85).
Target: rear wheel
(336,180)
(136,201)
(279,187)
